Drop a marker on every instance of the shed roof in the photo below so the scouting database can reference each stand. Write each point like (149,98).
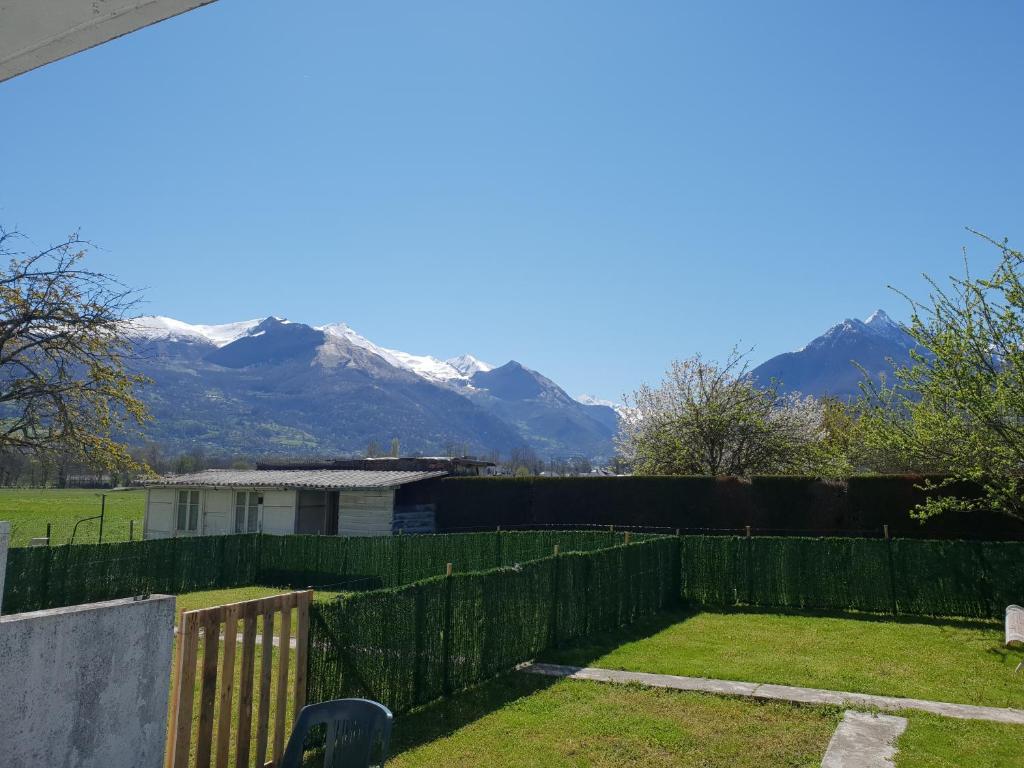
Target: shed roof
(315,479)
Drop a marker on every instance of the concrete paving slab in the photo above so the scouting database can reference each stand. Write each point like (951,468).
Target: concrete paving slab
(782,693)
(864,740)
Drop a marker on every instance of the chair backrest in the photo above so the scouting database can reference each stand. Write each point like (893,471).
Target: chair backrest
(358,733)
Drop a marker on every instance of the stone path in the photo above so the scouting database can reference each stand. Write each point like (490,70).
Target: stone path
(781,693)
(864,740)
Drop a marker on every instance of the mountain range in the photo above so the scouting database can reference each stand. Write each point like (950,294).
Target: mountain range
(276,387)
(828,365)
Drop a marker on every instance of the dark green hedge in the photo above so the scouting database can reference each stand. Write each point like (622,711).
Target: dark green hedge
(49,577)
(409,645)
(858,506)
(934,578)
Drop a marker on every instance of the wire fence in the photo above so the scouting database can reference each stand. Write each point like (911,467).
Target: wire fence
(84,530)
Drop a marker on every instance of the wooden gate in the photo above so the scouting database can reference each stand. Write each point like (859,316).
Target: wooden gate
(270,682)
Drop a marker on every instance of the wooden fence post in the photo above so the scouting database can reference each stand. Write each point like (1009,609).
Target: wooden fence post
(626,537)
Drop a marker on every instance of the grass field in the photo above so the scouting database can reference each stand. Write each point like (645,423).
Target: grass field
(522,719)
(30,509)
(963,662)
(941,742)
(537,722)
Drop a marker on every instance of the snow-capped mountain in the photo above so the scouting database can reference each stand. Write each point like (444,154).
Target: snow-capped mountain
(828,365)
(275,386)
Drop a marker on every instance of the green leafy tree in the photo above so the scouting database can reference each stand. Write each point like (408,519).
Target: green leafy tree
(66,393)
(958,408)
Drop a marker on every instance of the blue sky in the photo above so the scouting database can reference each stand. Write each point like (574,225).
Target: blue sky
(591,188)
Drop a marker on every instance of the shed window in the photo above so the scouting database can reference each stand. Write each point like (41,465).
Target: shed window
(188,511)
(247,511)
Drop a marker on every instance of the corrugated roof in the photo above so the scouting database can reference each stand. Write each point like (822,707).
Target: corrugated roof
(317,479)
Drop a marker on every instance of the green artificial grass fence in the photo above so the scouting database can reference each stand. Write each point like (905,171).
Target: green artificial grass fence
(901,576)
(973,579)
(410,645)
(50,577)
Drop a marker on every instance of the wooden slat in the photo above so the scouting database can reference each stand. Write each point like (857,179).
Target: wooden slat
(172,712)
(188,641)
(284,654)
(227,685)
(245,689)
(208,696)
(219,709)
(263,714)
(301,647)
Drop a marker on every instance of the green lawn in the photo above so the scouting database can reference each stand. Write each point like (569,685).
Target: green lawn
(30,509)
(941,742)
(209,598)
(958,661)
(525,720)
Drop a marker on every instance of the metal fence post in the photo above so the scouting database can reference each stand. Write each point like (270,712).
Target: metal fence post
(103,512)
(892,572)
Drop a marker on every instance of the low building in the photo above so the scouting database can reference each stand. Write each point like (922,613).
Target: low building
(344,502)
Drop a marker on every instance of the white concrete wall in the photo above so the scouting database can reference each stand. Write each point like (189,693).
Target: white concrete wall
(5,542)
(366,513)
(86,686)
(279,511)
(218,512)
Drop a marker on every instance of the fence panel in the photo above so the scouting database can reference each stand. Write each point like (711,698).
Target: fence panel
(408,646)
(220,730)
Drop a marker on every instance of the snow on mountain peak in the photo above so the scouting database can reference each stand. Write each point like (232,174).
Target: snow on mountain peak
(594,400)
(467,365)
(879,317)
(426,366)
(160,328)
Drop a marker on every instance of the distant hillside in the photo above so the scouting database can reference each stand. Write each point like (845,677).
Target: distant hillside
(272,386)
(827,366)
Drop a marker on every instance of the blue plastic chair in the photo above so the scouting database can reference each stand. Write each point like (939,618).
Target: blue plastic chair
(358,733)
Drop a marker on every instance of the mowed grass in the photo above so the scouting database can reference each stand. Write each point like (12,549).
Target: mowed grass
(209,598)
(956,661)
(30,509)
(526,720)
(931,741)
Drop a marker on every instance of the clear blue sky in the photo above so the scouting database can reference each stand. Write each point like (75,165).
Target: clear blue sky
(591,188)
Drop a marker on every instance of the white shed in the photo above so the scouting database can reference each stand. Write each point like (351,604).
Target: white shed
(341,502)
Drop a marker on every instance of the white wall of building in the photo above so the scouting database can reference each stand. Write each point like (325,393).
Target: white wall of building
(279,511)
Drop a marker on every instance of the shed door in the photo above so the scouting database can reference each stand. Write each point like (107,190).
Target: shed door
(312,512)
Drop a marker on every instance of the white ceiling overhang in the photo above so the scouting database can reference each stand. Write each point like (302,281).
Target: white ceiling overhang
(36,32)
